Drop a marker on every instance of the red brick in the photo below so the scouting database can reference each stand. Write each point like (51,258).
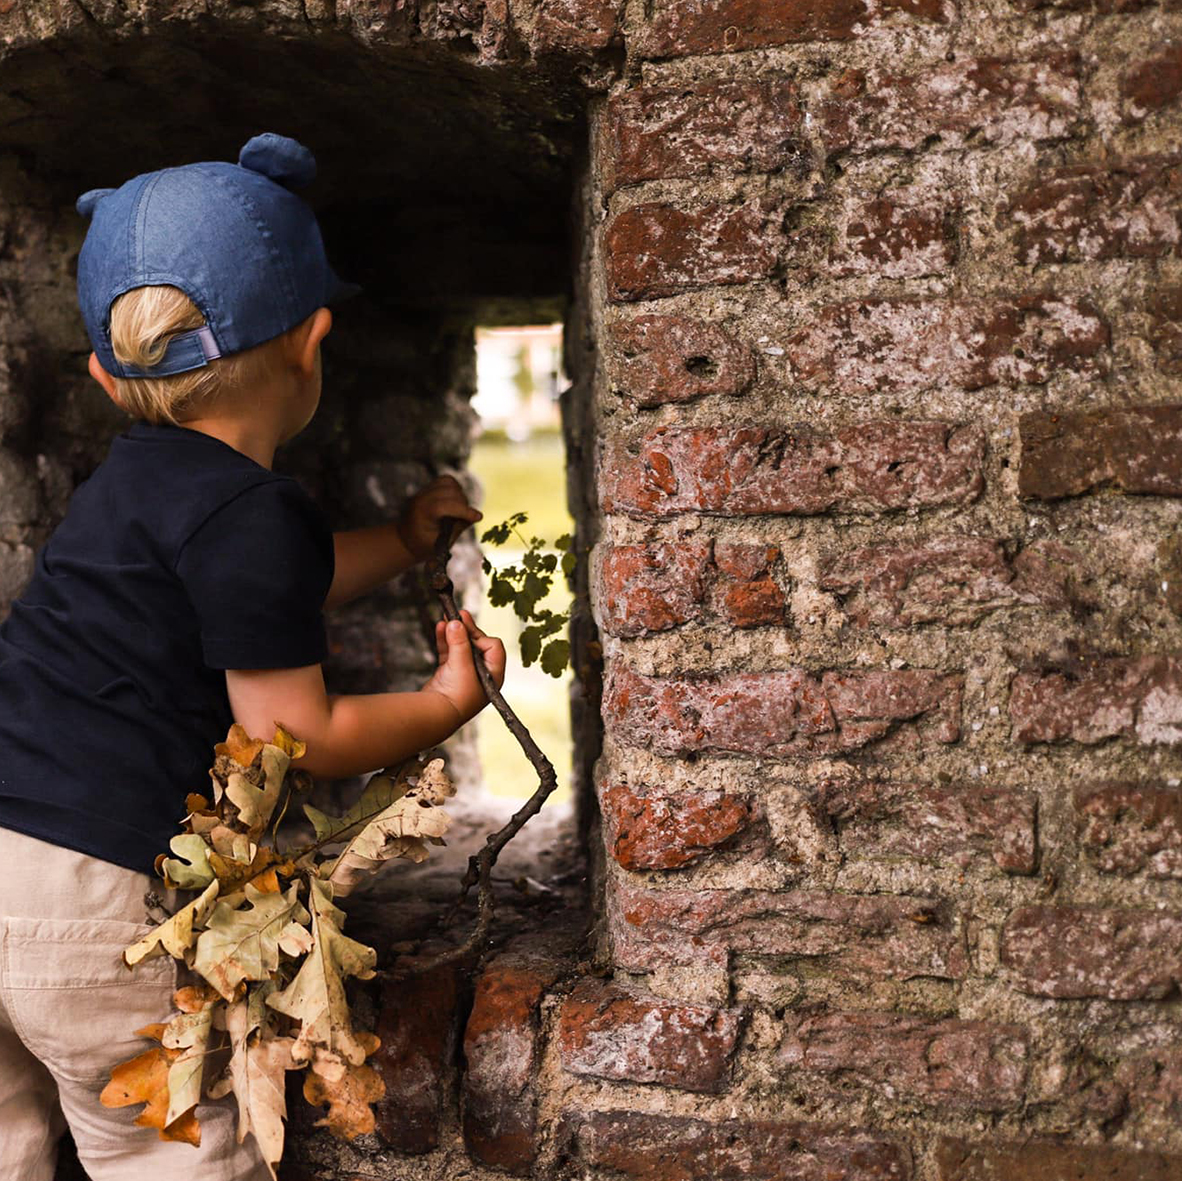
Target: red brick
(1048,1160)
(900,344)
(418,1025)
(1127,209)
(653,250)
(1137,449)
(893,236)
(647,829)
(678,27)
(948,1063)
(961,825)
(1100,699)
(1165,328)
(898,938)
(950,580)
(1076,951)
(487,23)
(646,588)
(871,466)
(994,100)
(607,1031)
(649,1147)
(1131,827)
(1152,1081)
(1102,6)
(658,359)
(501,1047)
(1151,84)
(782,714)
(578,26)
(745,126)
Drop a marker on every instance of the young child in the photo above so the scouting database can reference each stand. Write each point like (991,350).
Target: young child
(183,591)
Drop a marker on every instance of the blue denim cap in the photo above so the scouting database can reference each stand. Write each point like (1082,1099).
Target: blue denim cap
(233,237)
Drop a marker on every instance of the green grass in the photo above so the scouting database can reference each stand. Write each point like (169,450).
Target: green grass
(524,477)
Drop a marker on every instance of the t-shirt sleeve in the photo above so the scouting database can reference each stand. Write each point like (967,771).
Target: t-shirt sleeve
(257,571)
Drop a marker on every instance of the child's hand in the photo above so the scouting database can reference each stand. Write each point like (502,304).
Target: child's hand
(419,524)
(455,677)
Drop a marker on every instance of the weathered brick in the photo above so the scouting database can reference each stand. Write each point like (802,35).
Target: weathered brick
(1050,1160)
(579,26)
(1152,1081)
(783,714)
(886,936)
(645,588)
(1130,827)
(648,829)
(1125,209)
(1165,328)
(1137,449)
(893,236)
(652,250)
(1102,6)
(1077,951)
(1151,84)
(650,1147)
(501,1046)
(948,1063)
(678,27)
(949,580)
(657,359)
(993,100)
(1100,699)
(883,820)
(900,344)
(418,1026)
(746,126)
(608,1031)
(871,466)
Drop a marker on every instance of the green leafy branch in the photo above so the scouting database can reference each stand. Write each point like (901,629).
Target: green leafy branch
(525,585)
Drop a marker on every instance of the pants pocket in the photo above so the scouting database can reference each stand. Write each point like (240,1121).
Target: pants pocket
(73,1001)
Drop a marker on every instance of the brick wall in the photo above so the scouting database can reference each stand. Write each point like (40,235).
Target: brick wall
(888,580)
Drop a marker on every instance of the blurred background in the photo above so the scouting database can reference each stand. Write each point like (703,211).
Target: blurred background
(519,458)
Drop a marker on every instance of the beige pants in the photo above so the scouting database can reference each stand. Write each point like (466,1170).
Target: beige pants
(68,1012)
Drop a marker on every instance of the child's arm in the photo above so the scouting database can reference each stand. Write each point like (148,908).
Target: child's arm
(359,733)
(366,558)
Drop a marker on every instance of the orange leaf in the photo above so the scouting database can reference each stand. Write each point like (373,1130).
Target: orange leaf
(239,746)
(348,1100)
(191,999)
(144,1079)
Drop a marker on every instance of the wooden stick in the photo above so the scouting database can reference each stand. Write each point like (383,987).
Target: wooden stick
(479,872)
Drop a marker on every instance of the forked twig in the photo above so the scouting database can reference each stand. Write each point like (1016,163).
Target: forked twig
(480,864)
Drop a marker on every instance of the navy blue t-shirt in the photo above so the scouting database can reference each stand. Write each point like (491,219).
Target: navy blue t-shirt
(178,558)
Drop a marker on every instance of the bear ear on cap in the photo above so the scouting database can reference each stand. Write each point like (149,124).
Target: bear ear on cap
(285,160)
(86,203)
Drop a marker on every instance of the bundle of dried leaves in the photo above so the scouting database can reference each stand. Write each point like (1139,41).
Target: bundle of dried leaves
(265,941)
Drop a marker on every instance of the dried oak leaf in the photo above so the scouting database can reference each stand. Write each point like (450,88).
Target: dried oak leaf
(144,1079)
(190,869)
(244,944)
(316,997)
(255,1074)
(175,936)
(348,1100)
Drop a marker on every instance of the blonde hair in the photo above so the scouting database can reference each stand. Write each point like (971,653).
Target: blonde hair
(142,321)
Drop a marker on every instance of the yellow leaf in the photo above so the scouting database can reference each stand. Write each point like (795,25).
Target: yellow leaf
(316,997)
(399,831)
(288,743)
(175,936)
(239,945)
(187,1034)
(380,792)
(192,871)
(255,1075)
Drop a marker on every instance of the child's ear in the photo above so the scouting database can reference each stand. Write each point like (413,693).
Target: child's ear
(104,379)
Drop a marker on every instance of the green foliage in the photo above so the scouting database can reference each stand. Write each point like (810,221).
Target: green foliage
(525,585)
